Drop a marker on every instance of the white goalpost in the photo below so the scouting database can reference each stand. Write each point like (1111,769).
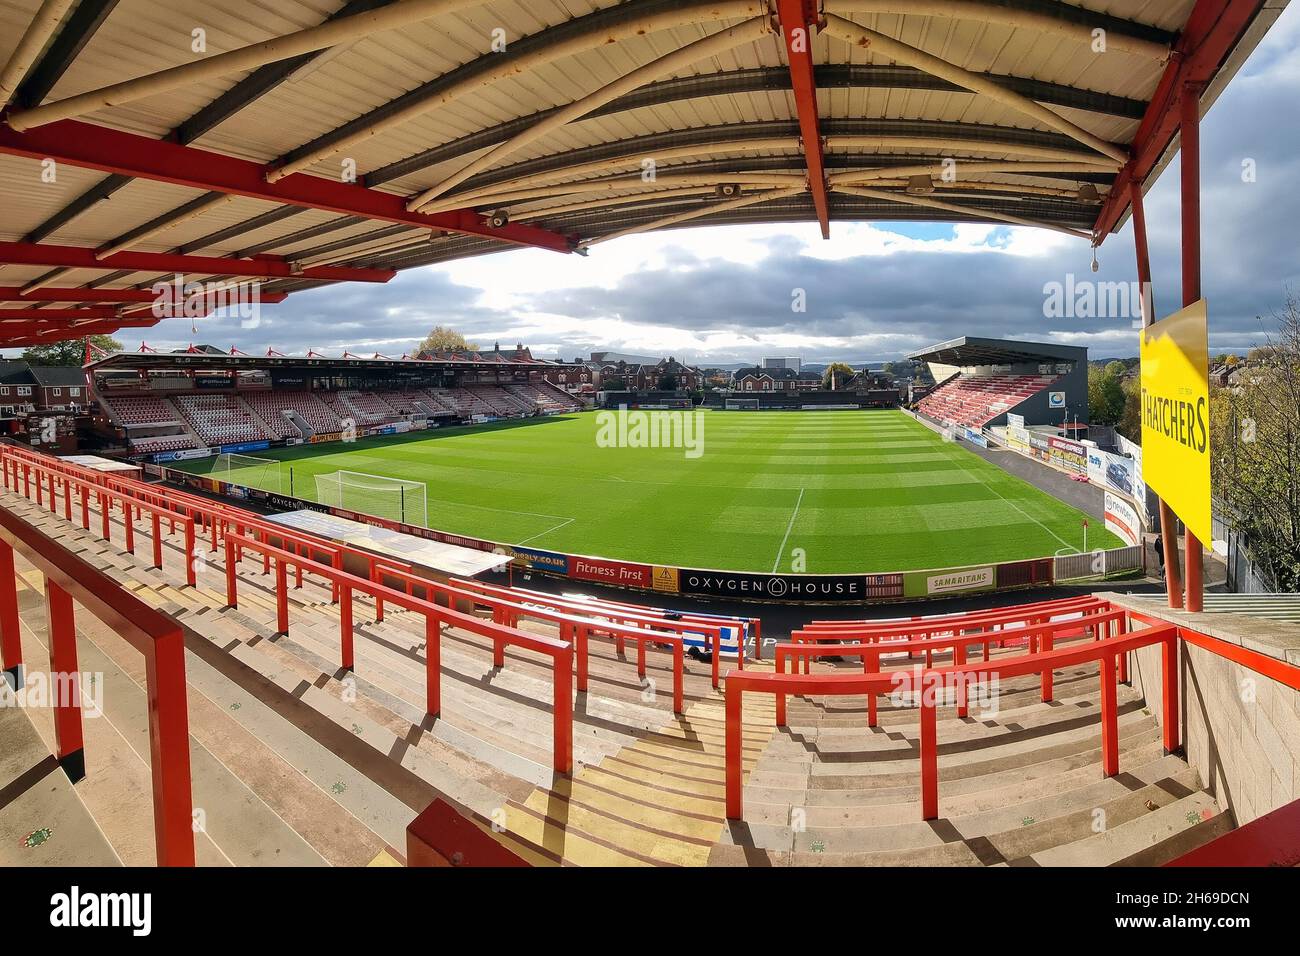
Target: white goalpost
(394,498)
(741,404)
(247,470)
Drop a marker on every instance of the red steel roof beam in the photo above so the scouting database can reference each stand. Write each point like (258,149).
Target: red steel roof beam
(145,296)
(797,18)
(1212,29)
(260,267)
(128,154)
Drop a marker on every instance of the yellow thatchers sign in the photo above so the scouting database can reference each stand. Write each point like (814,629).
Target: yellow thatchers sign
(1176,415)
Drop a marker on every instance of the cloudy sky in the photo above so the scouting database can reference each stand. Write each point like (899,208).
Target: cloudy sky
(874,291)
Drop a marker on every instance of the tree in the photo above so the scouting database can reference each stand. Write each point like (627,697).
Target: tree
(444,339)
(69,351)
(836,374)
(668,383)
(1255,444)
(1106,397)
(1130,419)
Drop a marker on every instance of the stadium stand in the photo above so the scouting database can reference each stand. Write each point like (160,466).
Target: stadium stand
(977,400)
(416,402)
(270,406)
(982,380)
(462,401)
(501,402)
(221,419)
(159,443)
(364,408)
(544,396)
(1019,783)
(132,411)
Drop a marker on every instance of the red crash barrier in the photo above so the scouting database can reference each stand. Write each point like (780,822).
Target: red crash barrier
(573,627)
(436,617)
(932,683)
(1040,637)
(157,637)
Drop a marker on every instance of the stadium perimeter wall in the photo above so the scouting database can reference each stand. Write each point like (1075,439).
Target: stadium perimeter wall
(730,585)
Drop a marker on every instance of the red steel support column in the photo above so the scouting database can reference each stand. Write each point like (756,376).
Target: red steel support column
(796,30)
(66,681)
(11,646)
(345,627)
(1109,717)
(678,679)
(1168,526)
(579,640)
(433,666)
(929,754)
(281,597)
(1169,693)
(169,750)
(190,572)
(1190,131)
(563,709)
(734,754)
(232,586)
(871,665)
(1045,645)
(156,527)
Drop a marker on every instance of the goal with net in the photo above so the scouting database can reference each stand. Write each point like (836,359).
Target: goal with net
(741,405)
(394,498)
(247,470)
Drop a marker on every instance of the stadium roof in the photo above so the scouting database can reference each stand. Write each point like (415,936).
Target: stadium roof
(970,350)
(330,141)
(316,363)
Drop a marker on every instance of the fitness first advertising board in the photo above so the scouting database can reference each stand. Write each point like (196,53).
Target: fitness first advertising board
(821,588)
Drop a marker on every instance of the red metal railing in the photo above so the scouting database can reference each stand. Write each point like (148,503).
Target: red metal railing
(573,627)
(932,680)
(131,506)
(711,630)
(239,531)
(1040,637)
(436,617)
(954,615)
(157,637)
(754,624)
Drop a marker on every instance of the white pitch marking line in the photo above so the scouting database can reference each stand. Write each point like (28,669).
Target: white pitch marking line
(1020,509)
(794,514)
(565,522)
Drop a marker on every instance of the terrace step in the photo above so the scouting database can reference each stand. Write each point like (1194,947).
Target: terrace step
(43,820)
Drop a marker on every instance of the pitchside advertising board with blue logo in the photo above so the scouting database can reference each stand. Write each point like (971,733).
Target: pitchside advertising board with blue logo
(1176,415)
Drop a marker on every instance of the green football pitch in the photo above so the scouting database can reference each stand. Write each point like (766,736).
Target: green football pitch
(838,491)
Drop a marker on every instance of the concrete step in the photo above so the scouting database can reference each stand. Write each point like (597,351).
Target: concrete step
(1176,826)
(43,820)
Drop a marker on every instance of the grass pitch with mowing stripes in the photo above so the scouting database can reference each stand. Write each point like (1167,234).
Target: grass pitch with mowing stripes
(838,491)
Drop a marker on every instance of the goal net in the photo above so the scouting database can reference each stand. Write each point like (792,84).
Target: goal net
(394,498)
(742,404)
(247,470)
